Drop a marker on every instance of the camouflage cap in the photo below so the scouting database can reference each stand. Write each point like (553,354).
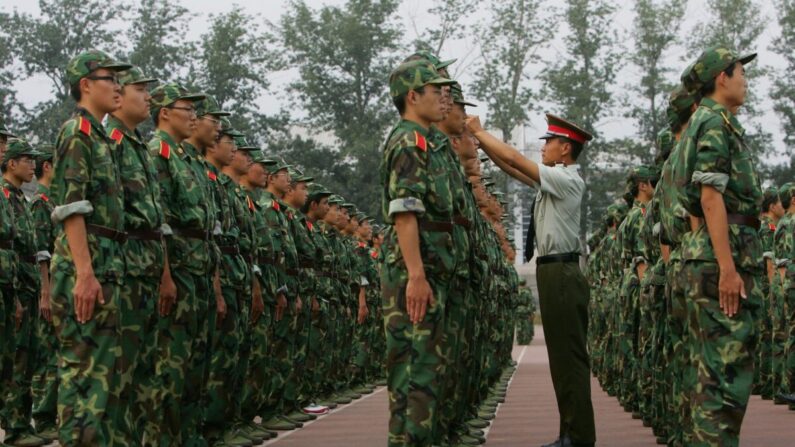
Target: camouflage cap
(243,145)
(227,129)
(209,106)
(335,199)
(413,75)
(166,94)
(617,211)
(45,152)
(297,176)
(458,95)
(643,173)
(316,190)
(786,192)
(134,76)
(18,147)
(349,206)
(257,156)
(4,131)
(680,102)
(769,197)
(430,57)
(713,61)
(89,61)
(280,165)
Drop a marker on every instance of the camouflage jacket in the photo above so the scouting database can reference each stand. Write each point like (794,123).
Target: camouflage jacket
(25,244)
(305,251)
(234,242)
(142,207)
(784,245)
(87,182)
(325,266)
(284,253)
(41,208)
(266,271)
(629,236)
(714,141)
(415,178)
(8,259)
(766,232)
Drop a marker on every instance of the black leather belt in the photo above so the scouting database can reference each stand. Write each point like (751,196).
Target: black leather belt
(436,226)
(107,233)
(7,245)
(191,233)
(462,221)
(739,219)
(144,235)
(28,259)
(563,258)
(229,249)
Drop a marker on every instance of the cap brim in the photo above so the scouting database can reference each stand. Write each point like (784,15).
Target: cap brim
(440,81)
(219,113)
(7,134)
(305,179)
(192,98)
(445,64)
(248,148)
(466,103)
(116,66)
(143,81)
(747,58)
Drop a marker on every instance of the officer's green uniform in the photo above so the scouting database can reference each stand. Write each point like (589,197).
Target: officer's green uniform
(45,376)
(87,183)
(19,399)
(182,361)
(414,180)
(143,255)
(723,347)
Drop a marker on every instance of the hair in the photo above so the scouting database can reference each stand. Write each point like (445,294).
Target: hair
(3,167)
(769,201)
(74,90)
(709,87)
(39,171)
(156,117)
(786,197)
(576,149)
(400,100)
(681,119)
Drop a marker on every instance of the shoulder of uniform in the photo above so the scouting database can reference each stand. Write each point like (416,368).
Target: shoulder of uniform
(116,135)
(407,138)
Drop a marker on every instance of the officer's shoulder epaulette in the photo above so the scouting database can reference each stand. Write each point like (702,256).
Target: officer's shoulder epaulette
(164,150)
(116,135)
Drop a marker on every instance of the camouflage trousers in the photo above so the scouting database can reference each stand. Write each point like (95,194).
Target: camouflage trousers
(788,376)
(763,372)
(138,386)
(525,330)
(682,377)
(628,341)
(415,364)
(778,341)
(376,366)
(228,363)
(294,392)
(318,357)
(88,362)
(183,360)
(18,400)
(7,307)
(258,376)
(45,377)
(282,346)
(723,350)
(362,350)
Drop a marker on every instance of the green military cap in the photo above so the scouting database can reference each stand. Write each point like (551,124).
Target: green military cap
(559,127)
(297,176)
(430,57)
(769,197)
(503,202)
(643,173)
(617,211)
(680,102)
(713,61)
(458,95)
(4,131)
(335,199)
(316,190)
(166,94)
(276,167)
(786,192)
(413,75)
(209,106)
(349,206)
(498,193)
(258,157)
(243,145)
(45,152)
(522,282)
(18,147)
(227,129)
(89,61)
(134,76)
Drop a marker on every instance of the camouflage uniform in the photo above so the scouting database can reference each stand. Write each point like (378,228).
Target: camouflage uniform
(8,268)
(525,314)
(414,176)
(723,347)
(763,378)
(784,343)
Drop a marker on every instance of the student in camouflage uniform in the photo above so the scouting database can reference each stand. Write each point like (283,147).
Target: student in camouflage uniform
(45,376)
(417,204)
(772,212)
(723,255)
(525,314)
(183,328)
(87,265)
(784,252)
(143,254)
(18,165)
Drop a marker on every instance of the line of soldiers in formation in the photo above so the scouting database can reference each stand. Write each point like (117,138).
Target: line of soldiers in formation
(663,336)
(172,292)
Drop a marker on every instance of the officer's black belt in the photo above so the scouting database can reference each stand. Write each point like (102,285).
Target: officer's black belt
(191,233)
(462,221)
(563,258)
(7,245)
(107,233)
(229,249)
(144,235)
(28,259)
(436,226)
(739,219)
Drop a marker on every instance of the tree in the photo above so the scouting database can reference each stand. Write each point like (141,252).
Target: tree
(8,99)
(344,55)
(653,35)
(581,79)
(783,91)
(157,35)
(510,43)
(44,45)
(234,61)
(450,14)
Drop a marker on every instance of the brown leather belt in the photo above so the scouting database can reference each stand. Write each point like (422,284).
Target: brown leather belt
(739,219)
(7,245)
(144,235)
(107,233)
(436,226)
(231,250)
(462,221)
(191,233)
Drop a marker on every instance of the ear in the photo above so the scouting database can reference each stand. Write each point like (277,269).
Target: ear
(566,148)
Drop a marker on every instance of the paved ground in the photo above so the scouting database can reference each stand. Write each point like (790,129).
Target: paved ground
(529,416)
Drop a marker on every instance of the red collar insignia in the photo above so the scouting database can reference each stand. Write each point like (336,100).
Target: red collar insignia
(6,192)
(212,175)
(250,203)
(772,226)
(165,150)
(309,225)
(116,136)
(45,198)
(276,205)
(85,126)
(420,141)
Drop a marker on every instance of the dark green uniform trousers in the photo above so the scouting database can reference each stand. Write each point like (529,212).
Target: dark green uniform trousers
(564,294)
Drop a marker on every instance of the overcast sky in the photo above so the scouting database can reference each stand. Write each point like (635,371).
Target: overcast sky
(414,19)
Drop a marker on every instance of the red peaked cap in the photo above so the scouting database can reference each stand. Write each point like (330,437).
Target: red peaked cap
(558,127)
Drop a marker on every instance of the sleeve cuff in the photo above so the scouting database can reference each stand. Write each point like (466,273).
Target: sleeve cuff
(718,180)
(782,262)
(256,270)
(363,281)
(217,229)
(63,212)
(769,255)
(655,230)
(43,256)
(166,230)
(406,205)
(282,289)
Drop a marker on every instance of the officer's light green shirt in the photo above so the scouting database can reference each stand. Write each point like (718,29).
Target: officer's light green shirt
(557,210)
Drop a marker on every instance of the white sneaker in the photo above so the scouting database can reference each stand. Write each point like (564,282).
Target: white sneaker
(316,409)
